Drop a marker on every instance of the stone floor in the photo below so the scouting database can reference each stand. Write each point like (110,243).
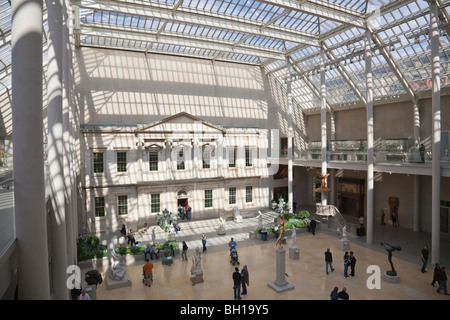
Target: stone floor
(306,274)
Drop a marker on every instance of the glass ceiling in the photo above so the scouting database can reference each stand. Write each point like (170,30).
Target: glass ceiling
(271,34)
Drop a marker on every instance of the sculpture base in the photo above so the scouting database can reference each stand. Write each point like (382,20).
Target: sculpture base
(238,219)
(114,284)
(221,231)
(322,190)
(280,284)
(196,278)
(294,253)
(344,244)
(390,277)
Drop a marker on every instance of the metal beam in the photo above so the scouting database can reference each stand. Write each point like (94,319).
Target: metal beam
(336,14)
(206,19)
(176,40)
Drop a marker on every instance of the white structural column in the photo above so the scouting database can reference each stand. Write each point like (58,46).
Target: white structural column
(27,120)
(290,137)
(416,216)
(436,134)
(369,112)
(56,151)
(323,119)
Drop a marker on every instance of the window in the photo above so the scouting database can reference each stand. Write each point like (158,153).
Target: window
(99,206)
(121,162)
(248,157)
(231,158)
(248,194)
(206,156)
(232,195)
(122,205)
(153,159)
(208,199)
(154,203)
(98,162)
(180,160)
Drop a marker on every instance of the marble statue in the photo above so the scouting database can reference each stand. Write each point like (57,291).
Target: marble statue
(221,228)
(196,268)
(116,270)
(294,236)
(260,219)
(344,232)
(237,215)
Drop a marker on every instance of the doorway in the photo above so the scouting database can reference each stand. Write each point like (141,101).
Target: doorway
(182,202)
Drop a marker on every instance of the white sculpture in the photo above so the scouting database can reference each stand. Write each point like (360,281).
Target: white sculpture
(237,215)
(116,270)
(344,232)
(294,237)
(196,268)
(260,219)
(221,228)
(153,235)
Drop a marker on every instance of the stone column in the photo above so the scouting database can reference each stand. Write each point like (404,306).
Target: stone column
(436,135)
(56,151)
(323,119)
(28,162)
(290,137)
(370,159)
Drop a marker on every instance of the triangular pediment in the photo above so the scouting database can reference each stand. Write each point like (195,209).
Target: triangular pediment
(181,122)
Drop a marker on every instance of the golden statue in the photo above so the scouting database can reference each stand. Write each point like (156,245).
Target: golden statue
(280,237)
(323,187)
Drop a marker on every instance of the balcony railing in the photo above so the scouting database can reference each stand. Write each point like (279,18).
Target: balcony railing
(389,151)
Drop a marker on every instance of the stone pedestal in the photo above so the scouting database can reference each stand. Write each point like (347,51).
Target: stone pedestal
(114,284)
(391,278)
(280,284)
(196,278)
(221,231)
(294,253)
(344,244)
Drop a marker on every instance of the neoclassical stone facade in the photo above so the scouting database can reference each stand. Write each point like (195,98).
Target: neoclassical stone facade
(133,172)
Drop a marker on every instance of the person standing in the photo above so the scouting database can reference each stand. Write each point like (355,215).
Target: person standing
(245,279)
(204,241)
(424,256)
(188,213)
(334,293)
(346,263)
(394,219)
(436,271)
(84,295)
(237,280)
(352,264)
(328,260)
(442,281)
(148,273)
(422,153)
(382,216)
(312,226)
(184,251)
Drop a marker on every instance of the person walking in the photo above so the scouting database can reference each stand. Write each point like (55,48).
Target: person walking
(424,256)
(328,260)
(352,264)
(436,271)
(184,251)
(237,280)
(442,281)
(147,269)
(346,263)
(245,279)
(204,241)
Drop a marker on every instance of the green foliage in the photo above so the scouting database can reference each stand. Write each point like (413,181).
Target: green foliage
(122,250)
(298,223)
(136,249)
(89,247)
(161,245)
(303,214)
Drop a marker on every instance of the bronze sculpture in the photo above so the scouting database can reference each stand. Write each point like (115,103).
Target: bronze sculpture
(389,248)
